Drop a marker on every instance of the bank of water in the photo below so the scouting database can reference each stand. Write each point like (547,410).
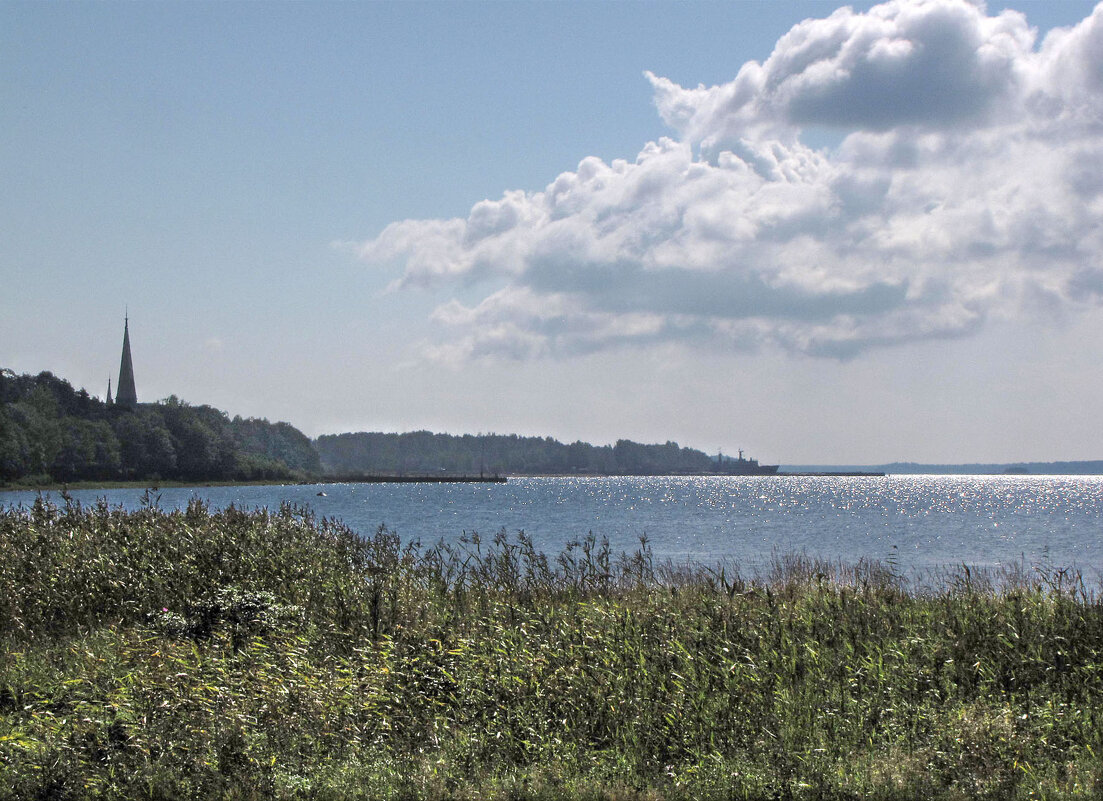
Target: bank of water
(915,522)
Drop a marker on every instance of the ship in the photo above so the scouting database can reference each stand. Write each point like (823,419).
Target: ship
(743,466)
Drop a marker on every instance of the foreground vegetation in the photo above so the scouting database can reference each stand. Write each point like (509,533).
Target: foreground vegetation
(232,654)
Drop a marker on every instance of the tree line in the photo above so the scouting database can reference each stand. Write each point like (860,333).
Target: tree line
(423,452)
(50,431)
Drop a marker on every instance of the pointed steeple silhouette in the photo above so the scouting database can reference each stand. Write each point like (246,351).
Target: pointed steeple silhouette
(126,396)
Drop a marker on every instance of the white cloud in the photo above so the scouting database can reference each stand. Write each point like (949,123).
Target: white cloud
(968,186)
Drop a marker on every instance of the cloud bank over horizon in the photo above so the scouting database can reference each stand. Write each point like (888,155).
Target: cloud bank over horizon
(967,186)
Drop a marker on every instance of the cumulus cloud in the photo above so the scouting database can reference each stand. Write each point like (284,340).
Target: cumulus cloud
(967,185)
(930,64)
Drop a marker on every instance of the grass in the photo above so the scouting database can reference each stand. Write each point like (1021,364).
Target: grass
(231,654)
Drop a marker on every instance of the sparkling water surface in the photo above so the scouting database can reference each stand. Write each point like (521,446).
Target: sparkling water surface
(917,522)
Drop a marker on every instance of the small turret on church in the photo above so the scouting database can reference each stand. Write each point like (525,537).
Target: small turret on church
(126,397)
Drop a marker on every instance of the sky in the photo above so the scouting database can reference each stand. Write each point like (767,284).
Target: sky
(824,234)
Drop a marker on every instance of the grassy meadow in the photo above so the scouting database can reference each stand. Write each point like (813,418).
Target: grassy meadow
(240,655)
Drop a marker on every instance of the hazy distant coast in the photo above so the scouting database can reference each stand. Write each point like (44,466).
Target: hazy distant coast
(1078,468)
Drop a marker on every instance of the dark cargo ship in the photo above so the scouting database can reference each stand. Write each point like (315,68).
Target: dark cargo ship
(743,467)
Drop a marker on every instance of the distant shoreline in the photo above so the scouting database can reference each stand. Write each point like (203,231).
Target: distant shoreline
(798,471)
(1086,467)
(58,486)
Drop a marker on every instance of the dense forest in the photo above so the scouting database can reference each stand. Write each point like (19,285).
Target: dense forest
(51,431)
(422,452)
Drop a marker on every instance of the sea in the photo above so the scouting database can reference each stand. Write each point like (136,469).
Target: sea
(916,524)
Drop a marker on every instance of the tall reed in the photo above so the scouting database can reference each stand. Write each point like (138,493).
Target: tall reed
(257,654)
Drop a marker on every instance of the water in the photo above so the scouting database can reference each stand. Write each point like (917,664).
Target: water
(917,522)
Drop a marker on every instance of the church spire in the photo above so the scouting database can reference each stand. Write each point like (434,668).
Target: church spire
(126,396)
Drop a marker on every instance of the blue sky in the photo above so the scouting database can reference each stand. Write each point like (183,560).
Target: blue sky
(229,172)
